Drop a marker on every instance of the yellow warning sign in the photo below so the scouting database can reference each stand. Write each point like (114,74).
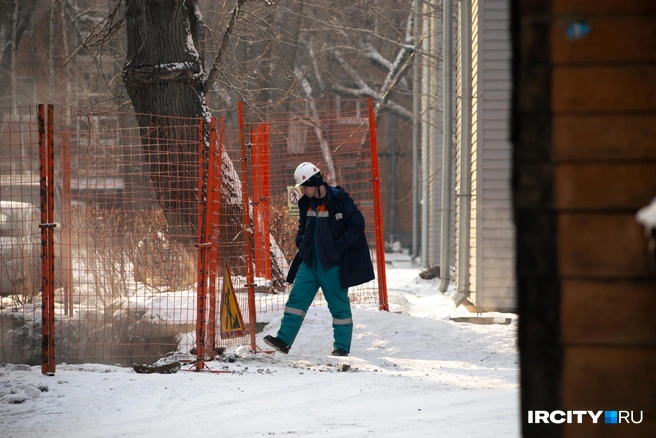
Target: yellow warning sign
(293,196)
(232,324)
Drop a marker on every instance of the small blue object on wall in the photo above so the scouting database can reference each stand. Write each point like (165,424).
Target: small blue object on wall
(577,30)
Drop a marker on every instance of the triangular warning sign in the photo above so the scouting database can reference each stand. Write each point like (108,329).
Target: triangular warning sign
(232,324)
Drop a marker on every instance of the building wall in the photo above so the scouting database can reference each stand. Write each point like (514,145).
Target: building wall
(584,123)
(492,281)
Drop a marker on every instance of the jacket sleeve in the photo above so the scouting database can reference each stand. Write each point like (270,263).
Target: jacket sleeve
(353,226)
(299,232)
(301,222)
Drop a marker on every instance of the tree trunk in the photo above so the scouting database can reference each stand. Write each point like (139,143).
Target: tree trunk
(164,76)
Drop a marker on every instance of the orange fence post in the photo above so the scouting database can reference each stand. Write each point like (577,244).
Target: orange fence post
(45,297)
(378,214)
(213,193)
(47,173)
(51,236)
(202,252)
(252,317)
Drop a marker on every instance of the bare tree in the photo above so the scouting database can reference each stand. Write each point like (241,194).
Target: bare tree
(166,58)
(164,75)
(293,49)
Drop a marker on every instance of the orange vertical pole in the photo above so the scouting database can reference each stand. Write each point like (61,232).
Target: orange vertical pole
(247,229)
(266,197)
(51,236)
(45,296)
(47,174)
(378,214)
(212,201)
(202,262)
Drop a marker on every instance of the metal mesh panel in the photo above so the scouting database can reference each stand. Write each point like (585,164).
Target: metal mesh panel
(129,224)
(150,211)
(334,135)
(20,237)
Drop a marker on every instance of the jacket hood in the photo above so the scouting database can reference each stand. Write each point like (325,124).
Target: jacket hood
(337,192)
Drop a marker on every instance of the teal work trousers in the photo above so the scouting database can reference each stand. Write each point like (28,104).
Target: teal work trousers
(306,285)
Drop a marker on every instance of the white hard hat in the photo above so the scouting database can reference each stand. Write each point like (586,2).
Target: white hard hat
(304,171)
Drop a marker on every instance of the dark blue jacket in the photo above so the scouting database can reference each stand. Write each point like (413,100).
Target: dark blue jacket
(343,242)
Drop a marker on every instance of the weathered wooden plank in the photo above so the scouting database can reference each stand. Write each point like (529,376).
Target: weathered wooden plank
(605,137)
(602,246)
(599,378)
(646,429)
(604,88)
(605,186)
(604,6)
(598,312)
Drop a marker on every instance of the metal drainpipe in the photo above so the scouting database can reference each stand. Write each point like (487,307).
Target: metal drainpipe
(436,141)
(464,225)
(416,131)
(425,132)
(446,146)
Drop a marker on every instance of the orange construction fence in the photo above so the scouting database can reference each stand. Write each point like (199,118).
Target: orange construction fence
(136,236)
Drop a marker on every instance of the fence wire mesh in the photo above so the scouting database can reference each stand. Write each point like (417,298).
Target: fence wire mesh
(334,135)
(149,212)
(20,236)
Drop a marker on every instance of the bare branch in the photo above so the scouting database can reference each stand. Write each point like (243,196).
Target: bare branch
(214,71)
(401,62)
(396,70)
(390,106)
(374,55)
(331,174)
(98,37)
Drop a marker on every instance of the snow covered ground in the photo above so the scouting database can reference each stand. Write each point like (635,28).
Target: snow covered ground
(413,373)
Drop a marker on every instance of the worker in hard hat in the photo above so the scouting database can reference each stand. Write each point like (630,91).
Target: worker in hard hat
(333,254)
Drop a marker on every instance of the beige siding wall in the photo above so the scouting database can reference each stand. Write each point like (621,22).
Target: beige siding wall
(492,253)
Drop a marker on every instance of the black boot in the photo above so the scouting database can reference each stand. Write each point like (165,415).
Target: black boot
(278,344)
(339,352)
